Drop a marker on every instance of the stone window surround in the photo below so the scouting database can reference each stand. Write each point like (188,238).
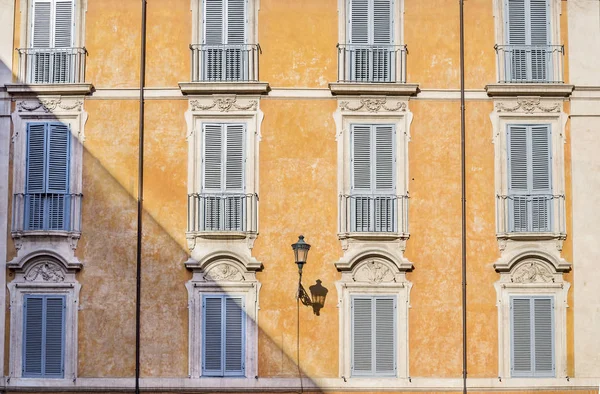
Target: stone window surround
(555,13)
(68,110)
(79,18)
(43,272)
(373,274)
(252,28)
(225,274)
(529,110)
(343,11)
(532,273)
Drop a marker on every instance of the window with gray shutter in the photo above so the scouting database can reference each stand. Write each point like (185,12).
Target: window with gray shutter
(373,187)
(47,200)
(223,176)
(52,29)
(224,36)
(528,36)
(43,336)
(529,178)
(373,331)
(370,36)
(532,336)
(223,335)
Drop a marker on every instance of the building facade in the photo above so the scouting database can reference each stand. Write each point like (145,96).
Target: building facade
(265,119)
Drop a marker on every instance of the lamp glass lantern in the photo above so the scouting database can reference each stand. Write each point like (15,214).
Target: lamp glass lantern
(301,249)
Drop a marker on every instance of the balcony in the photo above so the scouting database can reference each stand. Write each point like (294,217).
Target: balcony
(373,215)
(372,69)
(530,70)
(222,213)
(46,213)
(531,216)
(51,70)
(224,69)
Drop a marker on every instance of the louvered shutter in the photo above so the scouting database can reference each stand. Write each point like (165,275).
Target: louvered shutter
(234,336)
(36,175)
(63,38)
(41,38)
(521,337)
(361,177)
(359,37)
(214,23)
(362,335)
(234,176)
(543,333)
(541,184)
(54,336)
(385,332)
(43,343)
(518,178)
(236,57)
(33,336)
(540,28)
(213,175)
(58,176)
(212,338)
(384,178)
(382,38)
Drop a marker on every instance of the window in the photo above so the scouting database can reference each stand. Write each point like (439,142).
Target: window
(530,178)
(222,201)
(43,336)
(47,200)
(51,57)
(223,335)
(532,342)
(373,336)
(373,202)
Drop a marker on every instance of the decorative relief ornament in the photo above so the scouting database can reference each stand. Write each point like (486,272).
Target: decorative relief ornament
(45,272)
(223,272)
(224,104)
(528,106)
(374,272)
(49,105)
(532,272)
(373,105)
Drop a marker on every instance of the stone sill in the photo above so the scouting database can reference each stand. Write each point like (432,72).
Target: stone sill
(546,236)
(50,89)
(387,89)
(221,235)
(529,89)
(374,236)
(194,88)
(45,233)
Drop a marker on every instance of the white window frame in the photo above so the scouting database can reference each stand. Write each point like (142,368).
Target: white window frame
(56,109)
(225,275)
(373,276)
(530,274)
(26,10)
(43,273)
(197,8)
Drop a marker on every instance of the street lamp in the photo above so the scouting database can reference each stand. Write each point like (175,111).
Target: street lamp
(301,249)
(317,291)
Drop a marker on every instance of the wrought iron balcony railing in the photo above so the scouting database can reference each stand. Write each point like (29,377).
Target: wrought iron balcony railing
(222,212)
(371,63)
(46,212)
(531,213)
(360,213)
(530,63)
(51,65)
(225,63)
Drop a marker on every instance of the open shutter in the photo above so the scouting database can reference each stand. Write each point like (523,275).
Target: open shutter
(234,176)
(362,335)
(33,336)
(212,337)
(385,332)
(36,175)
(54,337)
(234,336)
(518,178)
(541,183)
(521,355)
(544,343)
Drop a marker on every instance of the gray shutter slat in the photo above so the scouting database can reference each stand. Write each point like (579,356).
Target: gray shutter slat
(236,22)
(361,158)
(63,27)
(362,334)
(42,13)
(385,361)
(213,22)
(518,177)
(234,336)
(36,158)
(33,336)
(384,158)
(540,58)
(213,157)
(359,22)
(382,22)
(543,347)
(517,30)
(521,336)
(58,158)
(212,338)
(541,183)
(54,335)
(234,165)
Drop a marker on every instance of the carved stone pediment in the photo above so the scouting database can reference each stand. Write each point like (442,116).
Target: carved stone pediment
(223,104)
(45,271)
(529,106)
(224,272)
(373,272)
(532,272)
(373,105)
